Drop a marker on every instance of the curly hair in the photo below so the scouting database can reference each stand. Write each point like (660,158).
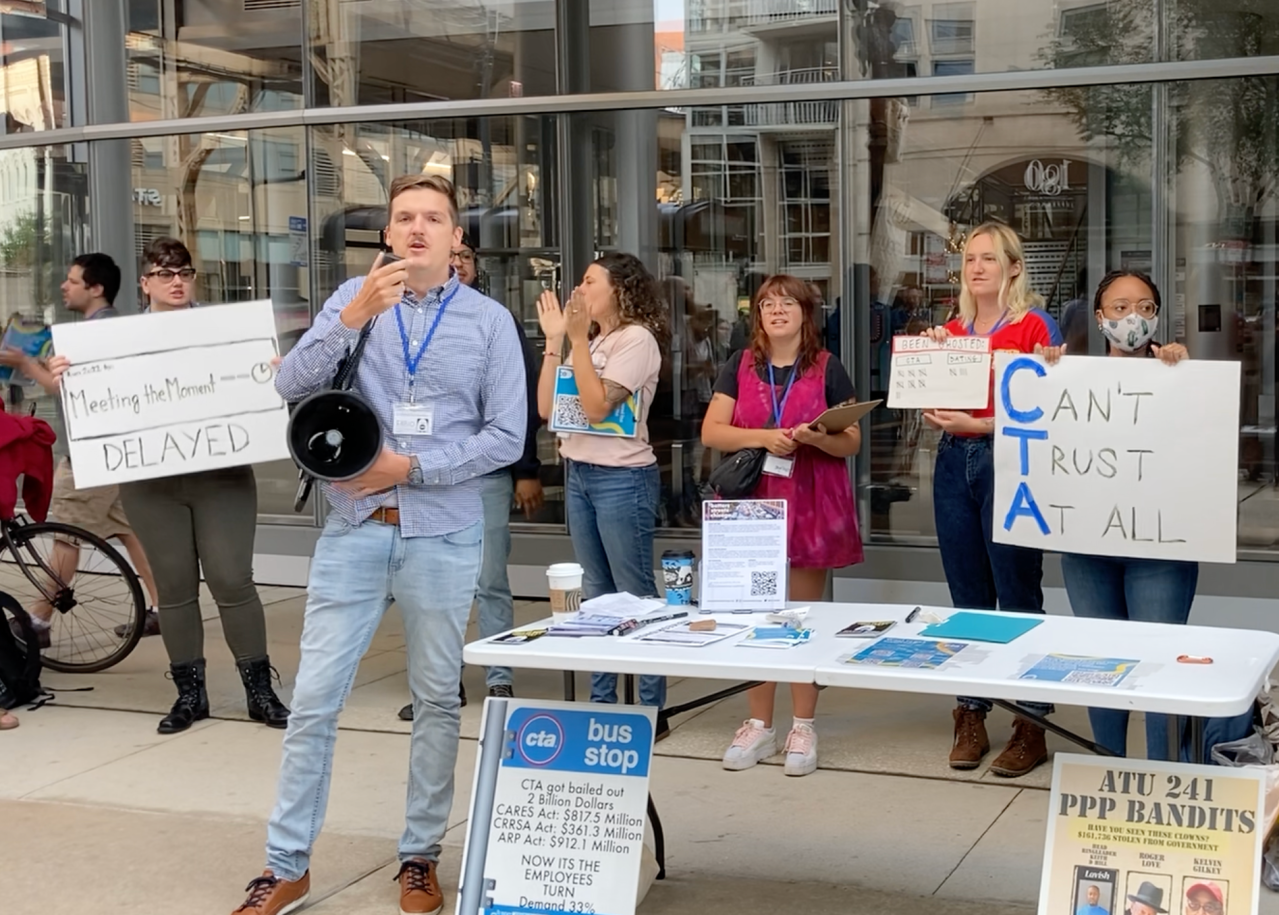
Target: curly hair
(639,299)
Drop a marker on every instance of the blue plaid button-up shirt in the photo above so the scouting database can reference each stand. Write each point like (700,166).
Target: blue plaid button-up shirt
(472,374)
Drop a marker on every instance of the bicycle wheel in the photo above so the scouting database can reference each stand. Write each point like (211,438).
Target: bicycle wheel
(103,595)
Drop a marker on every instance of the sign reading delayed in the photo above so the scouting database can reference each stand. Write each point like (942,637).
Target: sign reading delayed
(161,394)
(1117,457)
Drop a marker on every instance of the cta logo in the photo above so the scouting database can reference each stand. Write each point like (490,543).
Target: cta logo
(540,740)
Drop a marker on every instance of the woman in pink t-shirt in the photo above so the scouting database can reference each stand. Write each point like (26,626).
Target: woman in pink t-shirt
(615,324)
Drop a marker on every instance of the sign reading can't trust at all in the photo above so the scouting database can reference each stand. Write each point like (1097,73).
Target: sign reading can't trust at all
(1117,457)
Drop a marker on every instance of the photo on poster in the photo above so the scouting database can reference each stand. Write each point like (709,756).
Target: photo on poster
(1204,897)
(1147,893)
(1094,891)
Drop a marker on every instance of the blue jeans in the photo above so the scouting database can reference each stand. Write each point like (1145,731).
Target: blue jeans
(981,574)
(612,513)
(493,593)
(1147,590)
(355,574)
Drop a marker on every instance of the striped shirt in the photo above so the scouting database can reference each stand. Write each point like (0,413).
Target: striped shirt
(472,374)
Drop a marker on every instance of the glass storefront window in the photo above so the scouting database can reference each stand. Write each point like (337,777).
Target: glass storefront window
(33,66)
(1070,170)
(211,57)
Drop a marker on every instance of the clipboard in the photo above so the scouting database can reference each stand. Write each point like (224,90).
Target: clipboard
(837,419)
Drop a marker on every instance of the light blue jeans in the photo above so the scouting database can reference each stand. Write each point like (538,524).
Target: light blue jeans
(493,593)
(612,513)
(355,575)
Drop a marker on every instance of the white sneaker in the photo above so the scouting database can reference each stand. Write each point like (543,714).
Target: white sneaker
(801,750)
(752,743)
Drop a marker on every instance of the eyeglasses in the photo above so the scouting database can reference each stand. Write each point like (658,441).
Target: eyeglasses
(465,256)
(769,305)
(186,274)
(1122,308)
(1211,906)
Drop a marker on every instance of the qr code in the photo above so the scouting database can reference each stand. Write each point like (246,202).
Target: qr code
(569,413)
(1093,677)
(763,584)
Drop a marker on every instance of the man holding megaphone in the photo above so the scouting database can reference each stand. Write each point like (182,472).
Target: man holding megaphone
(442,373)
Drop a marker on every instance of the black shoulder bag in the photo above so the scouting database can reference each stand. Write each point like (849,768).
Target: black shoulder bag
(343,378)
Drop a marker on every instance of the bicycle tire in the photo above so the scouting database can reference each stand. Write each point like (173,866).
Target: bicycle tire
(21,536)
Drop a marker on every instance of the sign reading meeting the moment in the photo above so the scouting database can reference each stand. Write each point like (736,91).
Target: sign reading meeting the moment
(1143,838)
(159,394)
(1117,457)
(568,805)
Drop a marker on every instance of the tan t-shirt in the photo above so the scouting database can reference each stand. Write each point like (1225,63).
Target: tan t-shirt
(628,356)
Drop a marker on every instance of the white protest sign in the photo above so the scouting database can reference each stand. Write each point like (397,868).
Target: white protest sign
(159,394)
(951,375)
(1117,457)
(558,809)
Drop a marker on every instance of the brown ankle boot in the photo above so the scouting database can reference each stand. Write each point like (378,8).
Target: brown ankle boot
(971,742)
(1026,749)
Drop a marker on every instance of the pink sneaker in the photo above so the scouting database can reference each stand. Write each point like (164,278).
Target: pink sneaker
(752,743)
(801,750)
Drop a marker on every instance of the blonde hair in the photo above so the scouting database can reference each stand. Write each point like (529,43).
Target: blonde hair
(1015,293)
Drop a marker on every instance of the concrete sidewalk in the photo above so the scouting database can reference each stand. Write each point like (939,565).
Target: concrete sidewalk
(114,816)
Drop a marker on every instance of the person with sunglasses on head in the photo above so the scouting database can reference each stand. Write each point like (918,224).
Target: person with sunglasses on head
(192,522)
(1126,306)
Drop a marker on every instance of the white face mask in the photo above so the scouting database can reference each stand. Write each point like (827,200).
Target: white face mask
(1131,332)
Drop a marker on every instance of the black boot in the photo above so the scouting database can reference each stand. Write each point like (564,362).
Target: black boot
(193,700)
(264,704)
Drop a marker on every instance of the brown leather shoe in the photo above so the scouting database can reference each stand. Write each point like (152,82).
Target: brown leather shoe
(419,889)
(1026,749)
(971,742)
(269,895)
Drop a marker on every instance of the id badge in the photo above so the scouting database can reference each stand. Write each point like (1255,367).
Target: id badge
(776,466)
(413,419)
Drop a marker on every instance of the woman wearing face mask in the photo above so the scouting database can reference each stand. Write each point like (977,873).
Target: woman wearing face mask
(616,327)
(1118,587)
(995,302)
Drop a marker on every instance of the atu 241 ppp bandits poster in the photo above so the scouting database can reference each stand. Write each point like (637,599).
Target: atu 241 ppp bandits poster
(1138,837)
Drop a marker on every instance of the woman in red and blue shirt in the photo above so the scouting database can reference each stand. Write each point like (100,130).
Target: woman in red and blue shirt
(996,302)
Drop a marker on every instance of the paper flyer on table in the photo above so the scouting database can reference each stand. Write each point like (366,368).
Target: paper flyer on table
(922,653)
(680,634)
(1140,837)
(1067,668)
(743,554)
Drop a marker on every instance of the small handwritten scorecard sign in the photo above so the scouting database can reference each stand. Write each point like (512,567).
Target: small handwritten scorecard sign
(1143,837)
(951,375)
(160,394)
(1117,457)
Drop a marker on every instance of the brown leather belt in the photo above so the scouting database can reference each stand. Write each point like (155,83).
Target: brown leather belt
(389,516)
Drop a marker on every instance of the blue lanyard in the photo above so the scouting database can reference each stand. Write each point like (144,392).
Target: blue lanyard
(972,325)
(411,362)
(772,389)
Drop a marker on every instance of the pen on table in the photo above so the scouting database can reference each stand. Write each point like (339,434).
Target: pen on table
(662,619)
(910,617)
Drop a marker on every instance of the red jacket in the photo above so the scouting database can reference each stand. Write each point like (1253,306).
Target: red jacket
(26,449)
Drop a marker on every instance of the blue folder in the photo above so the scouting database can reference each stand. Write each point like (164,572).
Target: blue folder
(981,627)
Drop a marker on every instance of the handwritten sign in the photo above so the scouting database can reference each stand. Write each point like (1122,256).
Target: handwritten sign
(1117,457)
(1131,835)
(951,375)
(176,392)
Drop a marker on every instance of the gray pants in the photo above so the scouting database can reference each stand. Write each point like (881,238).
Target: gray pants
(201,519)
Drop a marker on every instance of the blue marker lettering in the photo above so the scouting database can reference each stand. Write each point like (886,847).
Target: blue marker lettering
(1019,416)
(1025,435)
(1024,504)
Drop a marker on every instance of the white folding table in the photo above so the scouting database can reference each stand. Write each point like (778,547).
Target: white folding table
(1241,662)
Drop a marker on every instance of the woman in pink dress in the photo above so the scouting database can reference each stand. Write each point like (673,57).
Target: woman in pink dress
(765,397)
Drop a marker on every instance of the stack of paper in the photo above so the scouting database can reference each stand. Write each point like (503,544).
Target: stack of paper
(776,637)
